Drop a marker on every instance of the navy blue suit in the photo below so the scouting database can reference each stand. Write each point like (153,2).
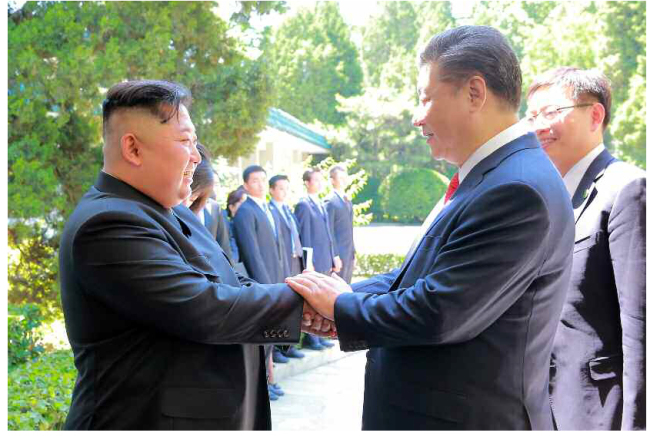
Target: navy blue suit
(314,229)
(293,263)
(259,249)
(156,318)
(460,337)
(598,360)
(341,217)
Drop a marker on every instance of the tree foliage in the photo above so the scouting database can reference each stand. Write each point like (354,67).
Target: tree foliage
(63,56)
(313,61)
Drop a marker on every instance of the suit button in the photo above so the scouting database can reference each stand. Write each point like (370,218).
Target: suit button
(273,334)
(286,334)
(266,334)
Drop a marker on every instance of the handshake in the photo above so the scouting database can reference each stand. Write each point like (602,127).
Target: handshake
(320,293)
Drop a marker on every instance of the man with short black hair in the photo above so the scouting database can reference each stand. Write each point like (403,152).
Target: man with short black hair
(154,312)
(597,377)
(460,336)
(341,218)
(314,229)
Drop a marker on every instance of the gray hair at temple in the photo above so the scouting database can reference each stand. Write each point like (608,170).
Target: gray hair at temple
(582,86)
(466,51)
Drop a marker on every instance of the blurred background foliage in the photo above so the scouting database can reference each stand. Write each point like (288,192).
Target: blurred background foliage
(356,83)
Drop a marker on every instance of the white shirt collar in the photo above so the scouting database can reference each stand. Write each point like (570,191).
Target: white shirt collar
(573,177)
(260,203)
(510,134)
(315,198)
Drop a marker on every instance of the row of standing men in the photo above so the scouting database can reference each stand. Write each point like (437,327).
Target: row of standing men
(268,242)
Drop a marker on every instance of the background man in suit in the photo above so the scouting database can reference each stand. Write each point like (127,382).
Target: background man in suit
(598,359)
(154,312)
(259,238)
(460,336)
(279,190)
(314,229)
(341,218)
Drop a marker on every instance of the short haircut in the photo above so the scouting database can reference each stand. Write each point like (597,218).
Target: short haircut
(161,98)
(465,51)
(202,180)
(307,175)
(234,197)
(275,179)
(335,169)
(250,170)
(581,84)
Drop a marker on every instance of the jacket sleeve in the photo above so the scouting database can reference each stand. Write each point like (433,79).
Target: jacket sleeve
(484,266)
(249,253)
(333,217)
(627,245)
(130,265)
(304,224)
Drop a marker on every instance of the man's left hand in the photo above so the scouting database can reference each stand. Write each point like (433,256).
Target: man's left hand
(319,290)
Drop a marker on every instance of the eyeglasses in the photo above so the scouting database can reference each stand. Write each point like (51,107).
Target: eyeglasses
(549,113)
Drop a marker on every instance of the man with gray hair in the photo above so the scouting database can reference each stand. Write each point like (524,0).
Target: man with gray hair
(460,336)
(598,359)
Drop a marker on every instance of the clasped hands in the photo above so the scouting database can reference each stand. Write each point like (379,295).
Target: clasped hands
(320,293)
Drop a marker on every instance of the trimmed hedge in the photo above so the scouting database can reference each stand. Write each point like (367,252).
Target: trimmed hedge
(409,195)
(39,392)
(372,264)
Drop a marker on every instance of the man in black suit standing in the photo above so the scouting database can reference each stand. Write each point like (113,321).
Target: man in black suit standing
(261,247)
(341,218)
(460,336)
(279,190)
(154,312)
(598,359)
(258,236)
(314,229)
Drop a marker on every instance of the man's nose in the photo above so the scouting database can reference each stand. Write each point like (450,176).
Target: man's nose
(417,117)
(194,154)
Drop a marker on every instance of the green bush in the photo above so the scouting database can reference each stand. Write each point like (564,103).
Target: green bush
(24,339)
(39,392)
(409,195)
(372,264)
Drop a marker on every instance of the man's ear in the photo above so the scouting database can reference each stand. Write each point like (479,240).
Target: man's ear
(130,148)
(597,116)
(477,92)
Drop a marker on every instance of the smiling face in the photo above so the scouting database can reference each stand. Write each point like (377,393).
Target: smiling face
(167,156)
(440,115)
(565,137)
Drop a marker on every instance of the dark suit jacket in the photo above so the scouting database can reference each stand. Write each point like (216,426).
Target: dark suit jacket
(314,230)
(259,249)
(286,238)
(461,335)
(598,359)
(156,317)
(218,227)
(341,218)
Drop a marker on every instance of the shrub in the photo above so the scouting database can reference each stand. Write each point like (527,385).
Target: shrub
(409,195)
(372,264)
(39,392)
(24,338)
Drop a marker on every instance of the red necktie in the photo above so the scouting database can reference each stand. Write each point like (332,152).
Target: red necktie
(453,185)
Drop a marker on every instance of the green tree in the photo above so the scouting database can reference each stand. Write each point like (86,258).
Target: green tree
(62,58)
(313,60)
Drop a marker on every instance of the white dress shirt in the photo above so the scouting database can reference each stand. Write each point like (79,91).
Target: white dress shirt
(577,172)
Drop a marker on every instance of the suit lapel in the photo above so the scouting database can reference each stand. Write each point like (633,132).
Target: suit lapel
(587,190)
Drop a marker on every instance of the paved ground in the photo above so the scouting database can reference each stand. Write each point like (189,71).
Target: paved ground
(329,397)
(384,238)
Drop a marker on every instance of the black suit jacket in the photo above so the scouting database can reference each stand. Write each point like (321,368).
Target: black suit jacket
(598,360)
(259,249)
(156,317)
(341,218)
(461,335)
(286,238)
(216,224)
(314,230)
